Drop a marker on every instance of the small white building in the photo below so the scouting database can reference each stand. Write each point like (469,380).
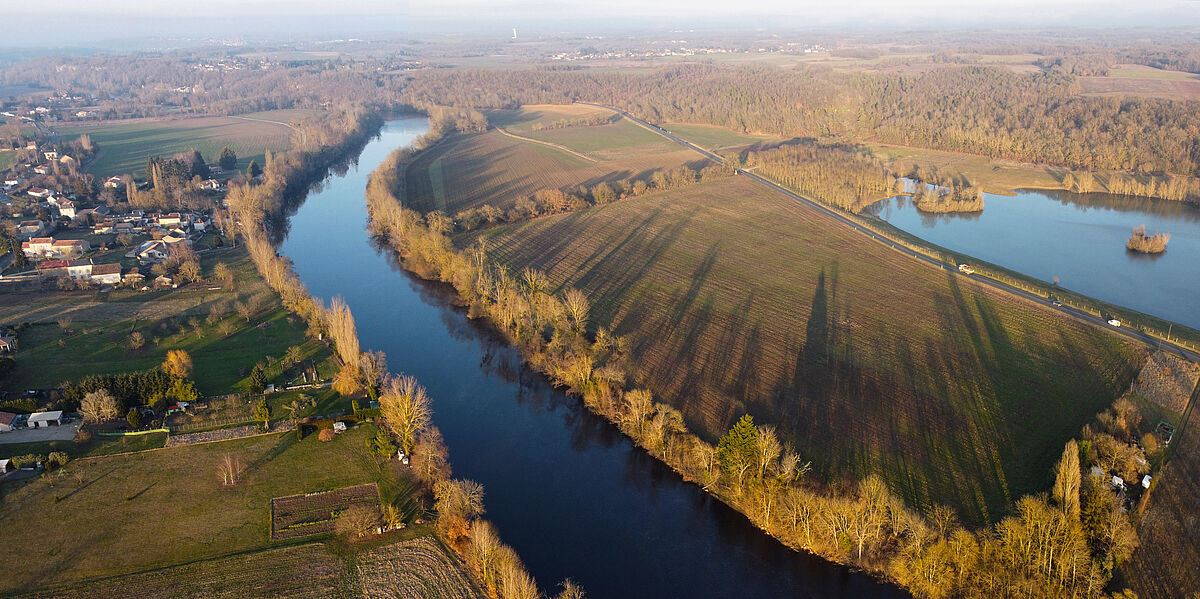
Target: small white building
(45,419)
(107,274)
(1146,481)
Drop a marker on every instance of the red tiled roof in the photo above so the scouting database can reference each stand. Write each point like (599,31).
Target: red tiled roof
(48,264)
(106,269)
(7,417)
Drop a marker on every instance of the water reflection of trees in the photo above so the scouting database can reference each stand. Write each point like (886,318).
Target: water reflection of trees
(1181,211)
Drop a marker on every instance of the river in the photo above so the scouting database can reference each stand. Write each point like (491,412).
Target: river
(565,488)
(1079,238)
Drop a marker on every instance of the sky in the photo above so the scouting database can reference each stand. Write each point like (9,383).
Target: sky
(88,21)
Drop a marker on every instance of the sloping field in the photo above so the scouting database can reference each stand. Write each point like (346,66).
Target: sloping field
(1164,565)
(416,569)
(737,299)
(130,513)
(124,147)
(303,571)
(469,171)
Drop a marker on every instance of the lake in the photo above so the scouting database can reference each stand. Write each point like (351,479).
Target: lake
(1079,238)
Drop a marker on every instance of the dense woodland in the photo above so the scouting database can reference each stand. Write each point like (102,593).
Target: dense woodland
(980,110)
(837,176)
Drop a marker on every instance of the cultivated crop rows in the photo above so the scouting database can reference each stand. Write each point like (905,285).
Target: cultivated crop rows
(416,569)
(298,516)
(736,300)
(305,571)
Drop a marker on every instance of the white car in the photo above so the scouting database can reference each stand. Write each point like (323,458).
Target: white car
(1114,322)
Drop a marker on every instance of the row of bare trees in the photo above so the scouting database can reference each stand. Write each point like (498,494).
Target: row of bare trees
(405,405)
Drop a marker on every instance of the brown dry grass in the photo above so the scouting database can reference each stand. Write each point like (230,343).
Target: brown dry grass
(416,569)
(1167,380)
(1165,565)
(737,299)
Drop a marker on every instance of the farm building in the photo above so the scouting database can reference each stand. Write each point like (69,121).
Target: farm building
(45,419)
(71,247)
(80,269)
(31,228)
(107,274)
(8,344)
(6,421)
(39,192)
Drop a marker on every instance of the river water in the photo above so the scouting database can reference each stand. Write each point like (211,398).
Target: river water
(1079,238)
(570,493)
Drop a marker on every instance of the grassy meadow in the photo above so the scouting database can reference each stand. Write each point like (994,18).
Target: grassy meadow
(468,171)
(97,339)
(737,299)
(134,512)
(124,147)
(713,137)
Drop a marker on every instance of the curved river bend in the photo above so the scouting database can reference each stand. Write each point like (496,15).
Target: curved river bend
(571,494)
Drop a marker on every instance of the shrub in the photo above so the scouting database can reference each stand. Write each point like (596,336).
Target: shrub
(325,435)
(56,459)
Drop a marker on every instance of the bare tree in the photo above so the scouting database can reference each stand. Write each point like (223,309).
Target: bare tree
(405,408)
(99,406)
(230,470)
(577,306)
(357,521)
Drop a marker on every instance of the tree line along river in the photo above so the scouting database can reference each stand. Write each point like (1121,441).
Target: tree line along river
(565,488)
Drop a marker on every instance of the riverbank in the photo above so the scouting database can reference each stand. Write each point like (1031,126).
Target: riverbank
(404,404)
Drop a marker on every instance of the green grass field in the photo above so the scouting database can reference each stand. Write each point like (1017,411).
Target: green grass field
(97,339)
(96,446)
(737,299)
(7,159)
(713,137)
(468,171)
(124,147)
(130,513)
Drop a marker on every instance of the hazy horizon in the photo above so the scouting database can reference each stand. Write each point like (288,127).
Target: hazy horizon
(79,23)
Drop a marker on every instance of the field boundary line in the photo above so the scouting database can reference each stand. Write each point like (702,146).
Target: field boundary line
(246,118)
(547,144)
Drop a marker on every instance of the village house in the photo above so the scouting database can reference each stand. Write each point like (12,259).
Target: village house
(67,161)
(38,247)
(51,155)
(29,229)
(113,182)
(163,281)
(66,209)
(41,169)
(80,269)
(71,248)
(133,278)
(152,252)
(53,268)
(107,274)
(6,422)
(12,181)
(102,227)
(39,192)
(8,344)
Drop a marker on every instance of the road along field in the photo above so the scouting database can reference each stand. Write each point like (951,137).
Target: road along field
(737,299)
(130,513)
(468,171)
(124,147)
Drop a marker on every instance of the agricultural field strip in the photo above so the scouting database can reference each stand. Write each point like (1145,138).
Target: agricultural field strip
(415,569)
(1020,293)
(302,571)
(314,513)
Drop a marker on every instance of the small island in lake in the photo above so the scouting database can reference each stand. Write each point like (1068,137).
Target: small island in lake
(955,199)
(1139,241)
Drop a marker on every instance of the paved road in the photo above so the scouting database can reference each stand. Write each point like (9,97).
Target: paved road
(65,432)
(1078,314)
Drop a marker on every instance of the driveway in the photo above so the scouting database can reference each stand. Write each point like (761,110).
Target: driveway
(65,432)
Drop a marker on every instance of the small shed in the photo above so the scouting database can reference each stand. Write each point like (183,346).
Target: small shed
(1118,482)
(5,466)
(45,419)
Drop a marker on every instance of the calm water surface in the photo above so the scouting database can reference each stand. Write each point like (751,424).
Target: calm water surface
(1079,238)
(565,488)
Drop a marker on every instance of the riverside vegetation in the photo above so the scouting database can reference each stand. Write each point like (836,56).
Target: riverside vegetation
(1140,241)
(1046,548)
(404,404)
